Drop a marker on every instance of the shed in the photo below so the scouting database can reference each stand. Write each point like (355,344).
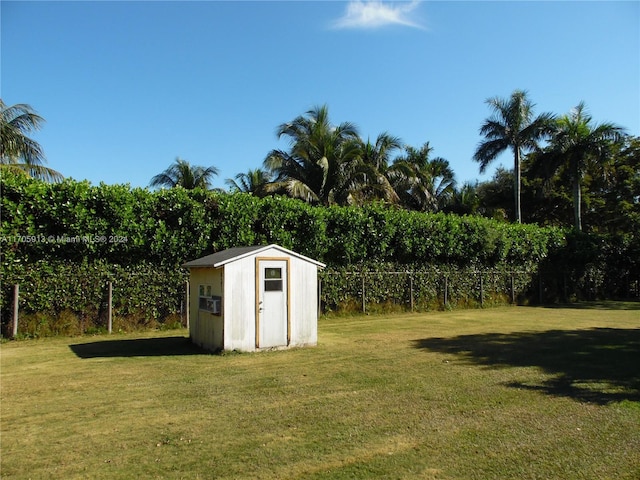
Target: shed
(253,298)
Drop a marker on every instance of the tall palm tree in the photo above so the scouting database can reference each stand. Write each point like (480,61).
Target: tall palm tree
(320,160)
(182,174)
(577,144)
(513,126)
(255,182)
(18,152)
(422,183)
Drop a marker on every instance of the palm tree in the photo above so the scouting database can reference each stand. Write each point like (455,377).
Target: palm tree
(577,144)
(18,152)
(512,126)
(379,154)
(182,174)
(465,200)
(369,179)
(322,156)
(255,182)
(422,183)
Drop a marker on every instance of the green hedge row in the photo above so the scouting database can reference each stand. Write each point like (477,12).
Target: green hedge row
(58,297)
(76,221)
(63,242)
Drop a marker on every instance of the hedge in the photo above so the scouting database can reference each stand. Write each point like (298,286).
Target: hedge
(58,297)
(76,221)
(62,242)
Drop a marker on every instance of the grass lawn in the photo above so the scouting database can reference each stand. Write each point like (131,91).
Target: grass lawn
(505,393)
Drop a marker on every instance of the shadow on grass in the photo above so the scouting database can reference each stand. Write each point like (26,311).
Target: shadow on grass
(143,347)
(599,365)
(603,305)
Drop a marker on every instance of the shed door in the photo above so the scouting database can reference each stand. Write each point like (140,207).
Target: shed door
(272,290)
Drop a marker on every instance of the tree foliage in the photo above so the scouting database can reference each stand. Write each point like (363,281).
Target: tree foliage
(422,183)
(256,182)
(321,159)
(19,152)
(333,165)
(182,174)
(577,144)
(513,126)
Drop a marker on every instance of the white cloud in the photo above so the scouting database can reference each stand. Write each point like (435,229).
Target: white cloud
(369,14)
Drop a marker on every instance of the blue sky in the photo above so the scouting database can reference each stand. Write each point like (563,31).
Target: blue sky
(126,87)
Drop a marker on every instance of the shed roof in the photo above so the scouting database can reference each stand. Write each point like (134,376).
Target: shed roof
(232,254)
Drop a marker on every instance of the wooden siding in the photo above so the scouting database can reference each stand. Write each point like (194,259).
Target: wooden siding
(304,303)
(235,282)
(206,329)
(239,305)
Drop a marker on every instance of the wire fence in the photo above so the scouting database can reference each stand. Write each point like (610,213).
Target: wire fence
(106,307)
(419,290)
(111,306)
(438,289)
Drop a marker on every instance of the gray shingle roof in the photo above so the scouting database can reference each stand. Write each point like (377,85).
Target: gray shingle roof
(222,257)
(225,256)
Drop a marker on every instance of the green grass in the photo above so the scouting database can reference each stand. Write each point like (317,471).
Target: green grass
(505,393)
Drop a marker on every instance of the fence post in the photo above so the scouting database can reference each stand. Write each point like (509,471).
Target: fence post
(16,307)
(188,300)
(109,309)
(364,304)
(319,297)
(446,290)
(513,290)
(411,289)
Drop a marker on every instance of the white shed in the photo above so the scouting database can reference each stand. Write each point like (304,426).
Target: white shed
(253,298)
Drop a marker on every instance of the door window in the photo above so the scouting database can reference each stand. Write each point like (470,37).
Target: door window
(272,279)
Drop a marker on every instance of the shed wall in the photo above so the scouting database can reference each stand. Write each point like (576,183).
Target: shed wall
(239,305)
(304,303)
(205,328)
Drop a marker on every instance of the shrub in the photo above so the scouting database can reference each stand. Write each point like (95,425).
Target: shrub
(64,242)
